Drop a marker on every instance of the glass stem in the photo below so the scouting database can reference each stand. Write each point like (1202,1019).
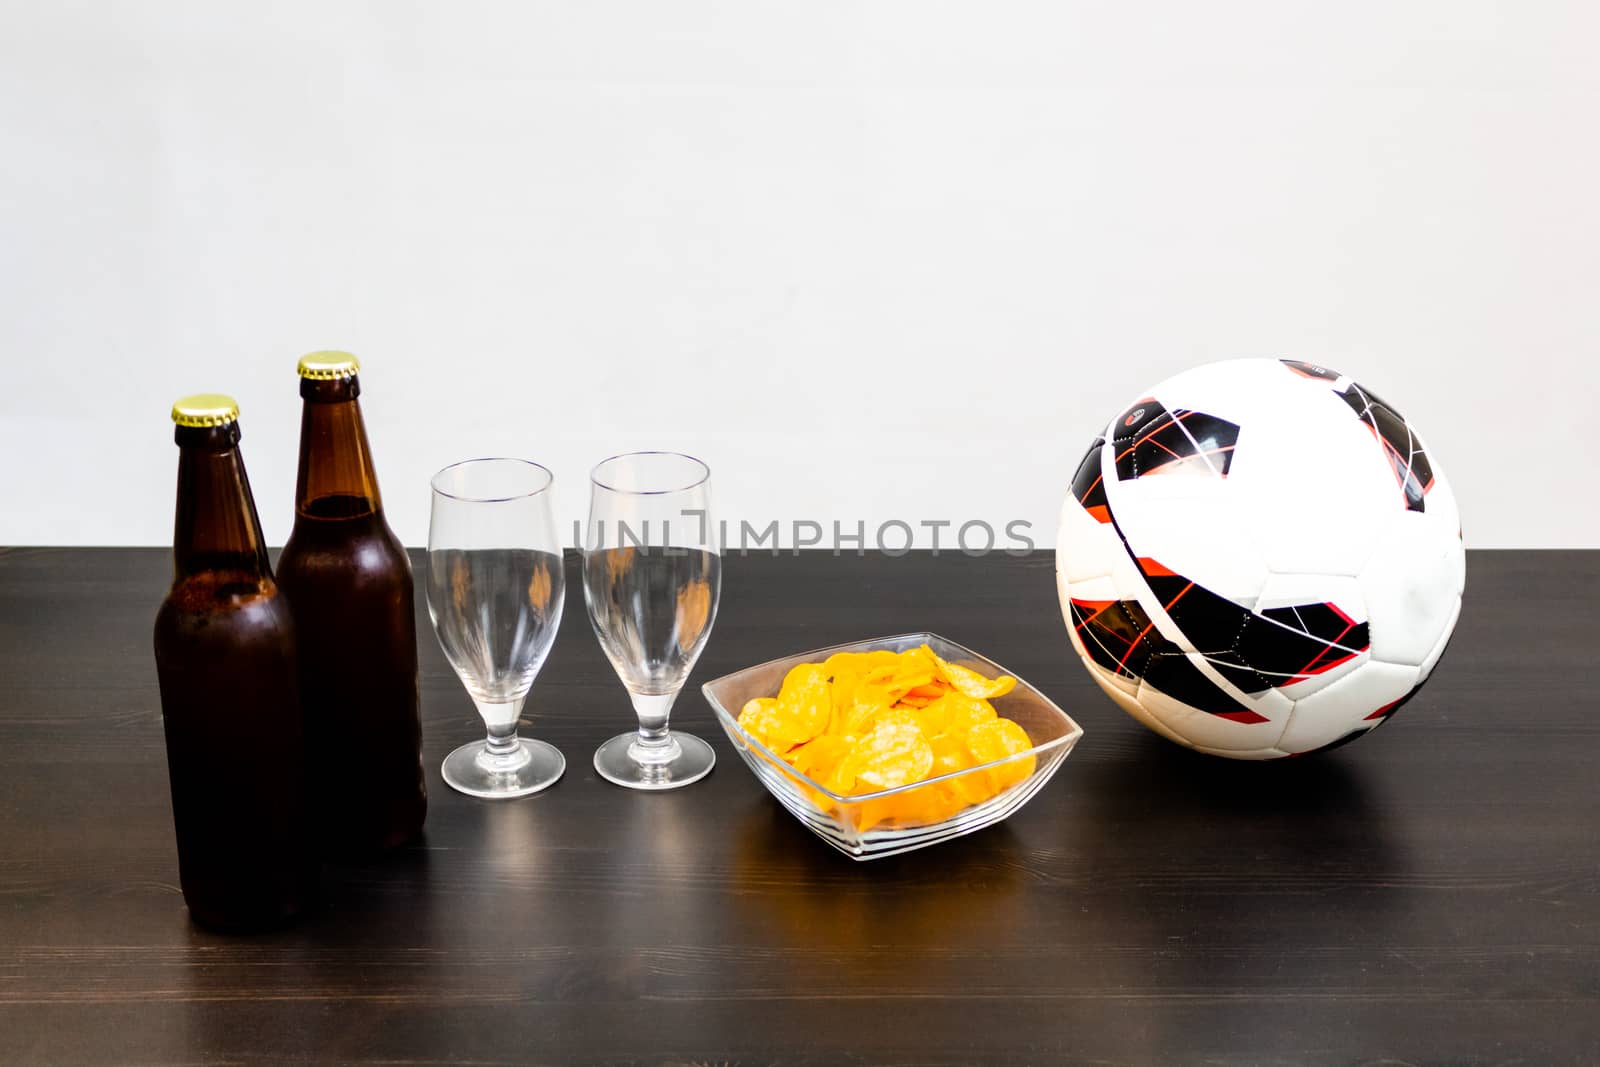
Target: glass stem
(655,743)
(501,752)
(502,740)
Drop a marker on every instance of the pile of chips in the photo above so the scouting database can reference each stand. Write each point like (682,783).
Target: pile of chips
(861,722)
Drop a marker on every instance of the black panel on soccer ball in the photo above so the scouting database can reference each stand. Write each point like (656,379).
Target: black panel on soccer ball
(1088,487)
(1114,632)
(1310,370)
(1149,439)
(1174,674)
(1400,446)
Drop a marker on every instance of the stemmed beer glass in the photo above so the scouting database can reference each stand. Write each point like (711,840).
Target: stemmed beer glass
(652,574)
(495,592)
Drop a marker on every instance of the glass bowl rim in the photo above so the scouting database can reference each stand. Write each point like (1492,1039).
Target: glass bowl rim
(731,721)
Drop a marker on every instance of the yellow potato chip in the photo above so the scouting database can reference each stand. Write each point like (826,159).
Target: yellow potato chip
(935,803)
(844,670)
(915,807)
(997,739)
(949,754)
(822,758)
(895,680)
(805,706)
(973,787)
(894,754)
(969,681)
(962,713)
(872,699)
(757,717)
(931,717)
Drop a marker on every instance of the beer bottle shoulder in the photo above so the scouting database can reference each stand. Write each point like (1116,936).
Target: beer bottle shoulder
(209,614)
(330,548)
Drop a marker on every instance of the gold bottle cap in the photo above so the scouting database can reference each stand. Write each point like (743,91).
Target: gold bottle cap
(329,366)
(205,409)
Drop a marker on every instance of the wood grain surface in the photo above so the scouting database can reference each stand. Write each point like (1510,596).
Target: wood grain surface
(1430,894)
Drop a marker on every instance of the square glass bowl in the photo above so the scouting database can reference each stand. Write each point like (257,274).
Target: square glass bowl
(838,819)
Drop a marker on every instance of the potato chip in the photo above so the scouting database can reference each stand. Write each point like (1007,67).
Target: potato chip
(894,754)
(935,803)
(844,673)
(823,760)
(931,717)
(870,813)
(949,754)
(758,717)
(895,680)
(915,807)
(970,682)
(962,713)
(997,739)
(805,706)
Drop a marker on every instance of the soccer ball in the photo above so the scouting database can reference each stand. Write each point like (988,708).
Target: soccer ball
(1260,559)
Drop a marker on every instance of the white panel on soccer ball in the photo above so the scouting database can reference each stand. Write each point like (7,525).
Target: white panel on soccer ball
(1231,389)
(1252,754)
(1461,567)
(1085,548)
(1316,683)
(1190,526)
(1321,522)
(1438,649)
(1111,685)
(1441,513)
(1101,588)
(1203,728)
(1128,685)
(1287,590)
(1410,588)
(1346,706)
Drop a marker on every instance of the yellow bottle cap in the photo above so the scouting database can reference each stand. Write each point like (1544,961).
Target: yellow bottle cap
(205,409)
(329,366)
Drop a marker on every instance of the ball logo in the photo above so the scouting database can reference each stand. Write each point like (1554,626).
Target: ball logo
(1135,417)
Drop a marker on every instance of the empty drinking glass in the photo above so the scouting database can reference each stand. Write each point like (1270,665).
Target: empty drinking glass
(495,590)
(652,574)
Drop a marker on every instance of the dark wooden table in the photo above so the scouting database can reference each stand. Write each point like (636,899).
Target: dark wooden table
(1429,894)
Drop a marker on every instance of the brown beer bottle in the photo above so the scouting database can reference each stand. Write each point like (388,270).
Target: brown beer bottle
(349,586)
(230,704)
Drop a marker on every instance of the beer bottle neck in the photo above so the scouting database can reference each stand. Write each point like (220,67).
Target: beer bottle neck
(217,530)
(336,476)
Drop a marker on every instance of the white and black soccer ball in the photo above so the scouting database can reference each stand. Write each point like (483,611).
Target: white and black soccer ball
(1260,559)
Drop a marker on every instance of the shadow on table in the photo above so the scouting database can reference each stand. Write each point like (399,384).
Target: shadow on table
(1306,807)
(810,894)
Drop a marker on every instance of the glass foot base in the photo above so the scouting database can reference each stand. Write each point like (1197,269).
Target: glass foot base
(693,761)
(471,770)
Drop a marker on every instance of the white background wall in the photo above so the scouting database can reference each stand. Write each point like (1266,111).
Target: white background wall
(871,261)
